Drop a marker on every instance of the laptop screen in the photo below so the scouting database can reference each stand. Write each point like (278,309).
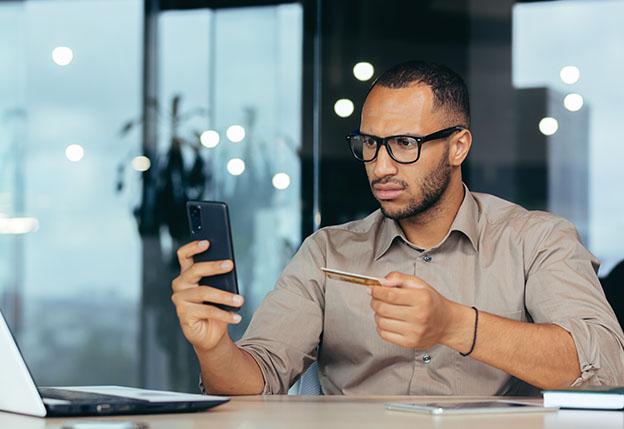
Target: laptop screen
(19,393)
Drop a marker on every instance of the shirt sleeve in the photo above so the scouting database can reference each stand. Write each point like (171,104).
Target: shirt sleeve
(562,288)
(285,331)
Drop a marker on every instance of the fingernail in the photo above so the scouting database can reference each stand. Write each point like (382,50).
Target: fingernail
(202,244)
(369,291)
(226,264)
(237,299)
(236,318)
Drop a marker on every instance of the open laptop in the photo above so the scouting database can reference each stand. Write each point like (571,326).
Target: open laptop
(19,393)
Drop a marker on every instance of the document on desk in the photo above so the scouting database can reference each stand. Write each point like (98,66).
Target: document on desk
(472,407)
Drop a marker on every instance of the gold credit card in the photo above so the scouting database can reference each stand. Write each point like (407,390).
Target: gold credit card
(351,277)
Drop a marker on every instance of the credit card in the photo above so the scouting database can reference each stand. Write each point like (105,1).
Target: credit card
(351,277)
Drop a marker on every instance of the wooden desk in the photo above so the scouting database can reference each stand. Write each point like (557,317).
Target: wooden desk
(357,412)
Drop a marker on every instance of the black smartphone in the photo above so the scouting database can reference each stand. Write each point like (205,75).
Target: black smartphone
(210,220)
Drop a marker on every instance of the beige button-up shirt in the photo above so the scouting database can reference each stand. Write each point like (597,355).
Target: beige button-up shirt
(523,265)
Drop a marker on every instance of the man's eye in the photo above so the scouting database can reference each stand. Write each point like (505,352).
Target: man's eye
(367,141)
(405,142)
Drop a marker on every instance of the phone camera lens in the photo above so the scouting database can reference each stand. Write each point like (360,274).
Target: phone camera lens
(196,223)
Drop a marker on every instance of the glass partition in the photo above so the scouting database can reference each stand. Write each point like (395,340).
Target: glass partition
(73,282)
(236,74)
(72,278)
(229,115)
(571,50)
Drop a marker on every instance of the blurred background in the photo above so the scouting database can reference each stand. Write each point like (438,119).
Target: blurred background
(114,112)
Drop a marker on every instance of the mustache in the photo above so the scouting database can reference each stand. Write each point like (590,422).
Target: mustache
(386,180)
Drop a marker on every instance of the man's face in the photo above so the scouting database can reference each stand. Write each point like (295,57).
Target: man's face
(406,190)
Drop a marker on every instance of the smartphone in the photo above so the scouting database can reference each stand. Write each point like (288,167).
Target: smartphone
(210,220)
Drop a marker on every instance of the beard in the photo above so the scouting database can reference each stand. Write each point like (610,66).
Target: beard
(432,187)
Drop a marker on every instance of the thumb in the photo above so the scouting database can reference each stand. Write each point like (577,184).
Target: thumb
(396,279)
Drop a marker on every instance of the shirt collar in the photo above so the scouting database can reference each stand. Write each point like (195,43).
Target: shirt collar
(465,222)
(467,219)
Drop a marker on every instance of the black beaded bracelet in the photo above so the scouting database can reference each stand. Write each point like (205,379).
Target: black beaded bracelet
(474,338)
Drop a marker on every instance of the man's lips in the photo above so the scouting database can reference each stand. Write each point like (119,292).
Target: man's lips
(387,192)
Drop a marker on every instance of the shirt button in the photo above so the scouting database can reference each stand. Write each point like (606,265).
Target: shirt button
(426,358)
(427,258)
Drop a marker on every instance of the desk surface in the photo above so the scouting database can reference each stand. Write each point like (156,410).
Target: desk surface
(359,412)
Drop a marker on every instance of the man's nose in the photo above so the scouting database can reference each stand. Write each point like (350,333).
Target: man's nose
(384,164)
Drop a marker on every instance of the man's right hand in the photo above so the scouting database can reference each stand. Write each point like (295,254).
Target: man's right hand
(204,326)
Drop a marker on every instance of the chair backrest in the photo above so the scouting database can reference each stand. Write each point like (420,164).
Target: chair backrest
(309,383)
(613,286)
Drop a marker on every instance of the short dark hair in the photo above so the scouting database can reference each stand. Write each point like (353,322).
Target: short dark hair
(449,89)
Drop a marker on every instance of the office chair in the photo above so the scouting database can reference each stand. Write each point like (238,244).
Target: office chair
(309,383)
(613,286)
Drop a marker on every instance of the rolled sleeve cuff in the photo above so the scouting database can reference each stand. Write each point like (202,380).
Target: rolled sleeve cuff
(591,347)
(277,371)
(263,369)
(265,391)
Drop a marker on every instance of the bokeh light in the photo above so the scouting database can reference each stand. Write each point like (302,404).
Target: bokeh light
(62,55)
(344,107)
(210,138)
(281,181)
(18,225)
(236,166)
(573,102)
(570,74)
(548,126)
(235,133)
(141,163)
(74,152)
(363,71)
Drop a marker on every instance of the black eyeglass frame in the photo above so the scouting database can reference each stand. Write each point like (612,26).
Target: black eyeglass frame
(383,141)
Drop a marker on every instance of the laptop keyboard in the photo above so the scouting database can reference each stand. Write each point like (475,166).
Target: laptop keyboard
(90,397)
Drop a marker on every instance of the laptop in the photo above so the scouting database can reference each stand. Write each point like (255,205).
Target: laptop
(19,393)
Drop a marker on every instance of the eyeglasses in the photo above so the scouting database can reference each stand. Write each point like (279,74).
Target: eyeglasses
(403,149)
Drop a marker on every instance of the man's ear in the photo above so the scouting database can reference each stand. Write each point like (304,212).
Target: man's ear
(460,147)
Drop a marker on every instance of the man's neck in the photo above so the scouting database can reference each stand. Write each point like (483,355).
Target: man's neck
(429,228)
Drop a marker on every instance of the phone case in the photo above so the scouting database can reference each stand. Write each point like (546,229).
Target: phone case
(214,226)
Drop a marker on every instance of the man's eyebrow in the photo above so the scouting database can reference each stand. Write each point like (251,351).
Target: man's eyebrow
(405,133)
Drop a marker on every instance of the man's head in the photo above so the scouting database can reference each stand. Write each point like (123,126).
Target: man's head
(450,94)
(417,99)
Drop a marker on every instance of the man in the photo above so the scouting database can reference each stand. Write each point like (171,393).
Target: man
(479,296)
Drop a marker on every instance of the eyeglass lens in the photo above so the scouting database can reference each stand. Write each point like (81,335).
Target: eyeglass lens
(402,148)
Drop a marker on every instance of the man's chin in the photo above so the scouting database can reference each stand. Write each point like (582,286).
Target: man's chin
(391,210)
(398,212)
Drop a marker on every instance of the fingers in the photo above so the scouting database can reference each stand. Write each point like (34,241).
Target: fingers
(190,277)
(392,337)
(398,288)
(186,252)
(408,311)
(396,279)
(393,311)
(395,326)
(403,332)
(206,294)
(397,295)
(406,334)
(190,311)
